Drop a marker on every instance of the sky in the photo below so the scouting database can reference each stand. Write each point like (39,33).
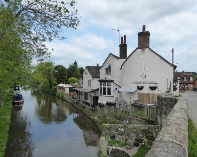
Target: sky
(171,23)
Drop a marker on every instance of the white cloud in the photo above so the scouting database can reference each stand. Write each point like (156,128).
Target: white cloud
(171,24)
(84,49)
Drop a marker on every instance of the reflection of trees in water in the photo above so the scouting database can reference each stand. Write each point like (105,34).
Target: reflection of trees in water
(90,130)
(51,108)
(47,109)
(19,140)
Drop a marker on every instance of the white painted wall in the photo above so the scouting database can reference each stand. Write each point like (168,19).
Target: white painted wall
(94,85)
(141,63)
(94,81)
(115,75)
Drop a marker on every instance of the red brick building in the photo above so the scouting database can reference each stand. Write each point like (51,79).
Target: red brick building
(187,80)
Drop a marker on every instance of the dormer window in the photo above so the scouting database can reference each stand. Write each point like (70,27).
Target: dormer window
(108,69)
(178,78)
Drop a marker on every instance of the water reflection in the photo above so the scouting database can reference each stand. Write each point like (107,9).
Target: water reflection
(19,140)
(48,126)
(48,109)
(90,133)
(17,108)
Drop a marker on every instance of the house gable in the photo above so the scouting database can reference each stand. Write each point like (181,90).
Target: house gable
(110,55)
(154,53)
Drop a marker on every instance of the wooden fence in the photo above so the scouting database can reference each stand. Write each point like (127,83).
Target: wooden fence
(140,111)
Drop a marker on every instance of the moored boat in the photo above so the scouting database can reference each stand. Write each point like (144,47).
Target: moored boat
(18,99)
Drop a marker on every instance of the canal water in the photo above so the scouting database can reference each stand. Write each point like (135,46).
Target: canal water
(47,126)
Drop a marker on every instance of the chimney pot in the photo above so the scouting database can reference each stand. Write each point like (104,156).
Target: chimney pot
(123,48)
(121,40)
(124,39)
(143,28)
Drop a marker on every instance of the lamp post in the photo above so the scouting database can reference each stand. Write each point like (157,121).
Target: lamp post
(118,32)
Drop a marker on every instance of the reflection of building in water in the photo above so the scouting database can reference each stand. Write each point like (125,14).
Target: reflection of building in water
(90,138)
(66,110)
(90,130)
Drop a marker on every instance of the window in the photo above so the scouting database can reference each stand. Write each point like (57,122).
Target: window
(89,83)
(105,88)
(178,78)
(108,69)
(191,78)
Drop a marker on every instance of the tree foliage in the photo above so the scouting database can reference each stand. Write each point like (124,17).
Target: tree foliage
(37,21)
(73,80)
(60,74)
(25,27)
(81,70)
(73,71)
(43,73)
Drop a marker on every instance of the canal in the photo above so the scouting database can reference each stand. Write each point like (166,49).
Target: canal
(50,127)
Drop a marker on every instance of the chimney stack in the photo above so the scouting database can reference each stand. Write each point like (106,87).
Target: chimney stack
(123,48)
(143,38)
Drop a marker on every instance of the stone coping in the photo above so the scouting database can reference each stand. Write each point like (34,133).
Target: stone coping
(172,140)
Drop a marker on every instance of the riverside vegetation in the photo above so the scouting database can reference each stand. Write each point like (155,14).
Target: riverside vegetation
(5,113)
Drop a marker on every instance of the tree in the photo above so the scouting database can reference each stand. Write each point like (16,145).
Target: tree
(37,21)
(73,80)
(73,71)
(25,27)
(81,70)
(60,74)
(43,74)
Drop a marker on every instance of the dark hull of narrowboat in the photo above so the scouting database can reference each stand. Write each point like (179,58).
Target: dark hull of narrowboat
(18,102)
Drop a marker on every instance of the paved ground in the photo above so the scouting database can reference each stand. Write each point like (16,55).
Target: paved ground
(191,98)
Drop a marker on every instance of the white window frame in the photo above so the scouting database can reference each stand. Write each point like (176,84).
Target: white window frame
(105,88)
(89,83)
(108,69)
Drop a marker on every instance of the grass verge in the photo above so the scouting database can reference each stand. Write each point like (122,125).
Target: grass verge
(142,151)
(5,113)
(115,142)
(192,139)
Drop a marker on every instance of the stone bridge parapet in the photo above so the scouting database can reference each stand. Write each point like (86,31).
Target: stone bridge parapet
(172,140)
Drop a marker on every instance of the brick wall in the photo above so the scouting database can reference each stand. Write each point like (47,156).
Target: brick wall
(143,39)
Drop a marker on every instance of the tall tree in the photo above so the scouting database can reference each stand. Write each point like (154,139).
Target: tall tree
(81,70)
(25,27)
(43,74)
(37,21)
(73,71)
(60,74)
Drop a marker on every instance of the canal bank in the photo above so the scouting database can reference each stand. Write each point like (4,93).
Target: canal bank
(5,114)
(113,125)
